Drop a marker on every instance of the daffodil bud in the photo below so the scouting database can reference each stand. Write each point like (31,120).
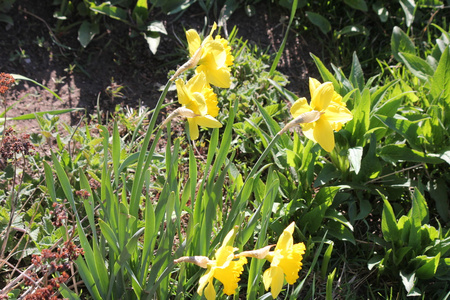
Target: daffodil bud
(180,112)
(258,253)
(201,261)
(307,117)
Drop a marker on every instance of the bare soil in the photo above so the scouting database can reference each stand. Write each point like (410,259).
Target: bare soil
(35,48)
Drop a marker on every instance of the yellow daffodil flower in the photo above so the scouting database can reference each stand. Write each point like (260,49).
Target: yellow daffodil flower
(199,99)
(329,112)
(213,57)
(224,268)
(285,262)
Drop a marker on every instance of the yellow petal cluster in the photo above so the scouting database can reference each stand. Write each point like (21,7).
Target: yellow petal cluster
(214,59)
(285,262)
(197,96)
(333,113)
(225,268)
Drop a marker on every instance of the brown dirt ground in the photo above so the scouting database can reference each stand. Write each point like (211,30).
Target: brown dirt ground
(115,57)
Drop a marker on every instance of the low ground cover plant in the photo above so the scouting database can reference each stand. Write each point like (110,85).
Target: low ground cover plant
(265,194)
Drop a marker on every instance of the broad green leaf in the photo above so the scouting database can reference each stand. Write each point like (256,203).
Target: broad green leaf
(7,19)
(325,73)
(356,74)
(352,30)
(86,32)
(409,130)
(400,42)
(153,39)
(354,157)
(401,152)
(140,12)
(419,67)
(389,223)
(381,11)
(440,82)
(112,11)
(428,270)
(357,4)
(408,280)
(408,7)
(419,209)
(323,24)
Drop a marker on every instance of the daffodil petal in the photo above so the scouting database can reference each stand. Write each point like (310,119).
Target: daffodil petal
(193,40)
(197,83)
(218,77)
(299,107)
(338,113)
(210,292)
(193,128)
(313,85)
(323,134)
(183,95)
(205,279)
(274,276)
(308,131)
(322,96)
(208,121)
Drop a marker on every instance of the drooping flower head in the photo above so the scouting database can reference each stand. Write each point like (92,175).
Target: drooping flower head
(331,113)
(212,55)
(198,97)
(225,268)
(285,262)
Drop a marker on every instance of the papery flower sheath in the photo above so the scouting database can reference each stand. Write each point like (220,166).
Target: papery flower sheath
(212,55)
(224,268)
(198,97)
(330,113)
(285,262)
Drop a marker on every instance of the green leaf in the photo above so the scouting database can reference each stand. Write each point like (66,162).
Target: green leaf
(356,74)
(153,39)
(112,11)
(86,33)
(354,157)
(325,73)
(357,4)
(440,82)
(416,65)
(398,153)
(408,280)
(428,270)
(352,30)
(419,209)
(389,223)
(323,24)
(140,12)
(409,130)
(408,7)
(381,11)
(6,19)
(20,77)
(400,42)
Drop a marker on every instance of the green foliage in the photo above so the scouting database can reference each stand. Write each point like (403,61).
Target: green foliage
(416,249)
(90,14)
